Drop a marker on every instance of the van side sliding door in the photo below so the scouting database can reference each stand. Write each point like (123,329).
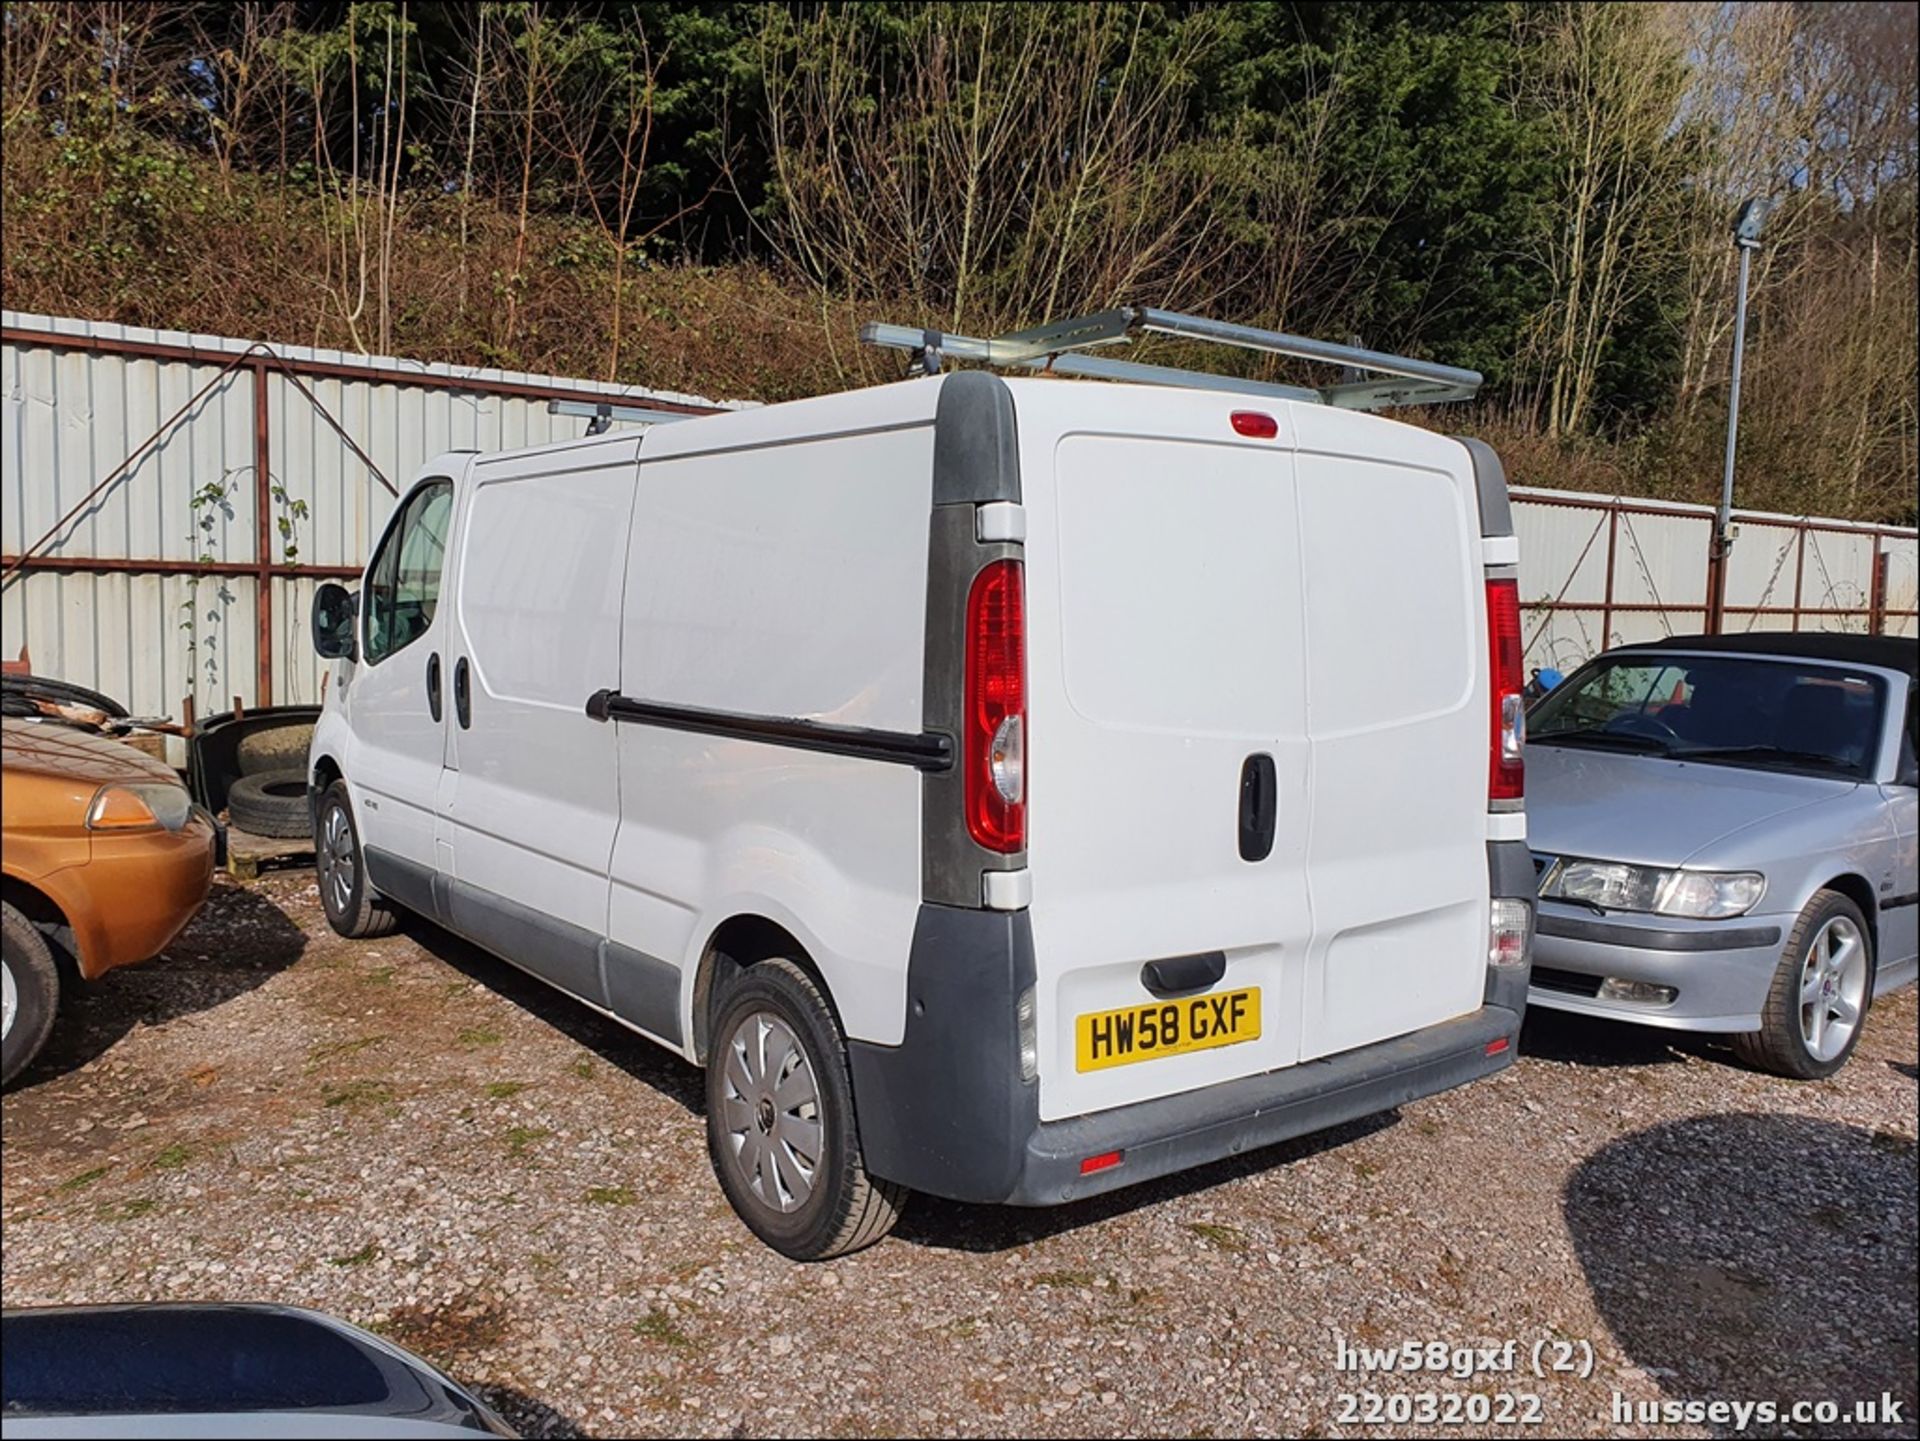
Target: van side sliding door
(533,801)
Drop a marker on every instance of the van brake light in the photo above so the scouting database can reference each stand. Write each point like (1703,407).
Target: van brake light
(995,745)
(1507,770)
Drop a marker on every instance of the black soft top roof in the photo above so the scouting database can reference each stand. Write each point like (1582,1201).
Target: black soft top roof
(1890,652)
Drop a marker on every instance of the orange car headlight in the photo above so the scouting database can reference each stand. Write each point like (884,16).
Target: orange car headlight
(139,808)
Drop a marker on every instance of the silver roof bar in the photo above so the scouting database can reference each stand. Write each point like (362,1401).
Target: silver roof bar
(1400,379)
(602,413)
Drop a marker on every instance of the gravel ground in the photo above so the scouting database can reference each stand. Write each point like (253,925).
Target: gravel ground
(410,1135)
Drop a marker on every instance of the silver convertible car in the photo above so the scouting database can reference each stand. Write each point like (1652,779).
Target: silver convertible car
(1723,831)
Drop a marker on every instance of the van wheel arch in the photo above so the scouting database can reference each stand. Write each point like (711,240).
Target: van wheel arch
(737,943)
(326,771)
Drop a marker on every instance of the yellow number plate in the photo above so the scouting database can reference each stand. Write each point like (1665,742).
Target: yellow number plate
(1166,1028)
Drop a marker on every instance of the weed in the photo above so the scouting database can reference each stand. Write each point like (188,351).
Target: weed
(1221,1238)
(173,1157)
(318,1056)
(505,1090)
(1065,1280)
(475,1036)
(356,1095)
(610,1195)
(130,1210)
(583,1068)
(83,1180)
(520,1138)
(657,1325)
(1365,1170)
(1893,1143)
(379,976)
(359,1258)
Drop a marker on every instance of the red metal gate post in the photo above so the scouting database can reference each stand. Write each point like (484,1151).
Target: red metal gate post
(1716,586)
(263,543)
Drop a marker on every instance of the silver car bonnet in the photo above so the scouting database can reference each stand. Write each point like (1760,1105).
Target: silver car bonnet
(1618,806)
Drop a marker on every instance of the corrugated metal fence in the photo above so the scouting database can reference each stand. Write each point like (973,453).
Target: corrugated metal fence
(1598,571)
(181,495)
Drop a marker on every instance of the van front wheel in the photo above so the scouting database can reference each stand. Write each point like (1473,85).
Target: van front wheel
(353,907)
(780,1123)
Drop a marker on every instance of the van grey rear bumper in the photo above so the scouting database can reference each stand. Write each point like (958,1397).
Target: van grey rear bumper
(945,1112)
(1174,1133)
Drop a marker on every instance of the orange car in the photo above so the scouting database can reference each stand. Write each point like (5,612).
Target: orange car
(103,854)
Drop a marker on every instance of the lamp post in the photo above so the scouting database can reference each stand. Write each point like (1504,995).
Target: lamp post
(1746,240)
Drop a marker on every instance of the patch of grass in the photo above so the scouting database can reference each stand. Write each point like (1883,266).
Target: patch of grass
(173,1157)
(359,1258)
(505,1090)
(457,988)
(318,1056)
(1221,1238)
(543,1261)
(1065,1280)
(1365,1170)
(130,1210)
(610,1195)
(657,1325)
(583,1068)
(379,976)
(357,1095)
(83,1180)
(520,1138)
(474,1037)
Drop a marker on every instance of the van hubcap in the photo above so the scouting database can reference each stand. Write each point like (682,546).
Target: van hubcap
(336,860)
(9,999)
(770,1107)
(1833,988)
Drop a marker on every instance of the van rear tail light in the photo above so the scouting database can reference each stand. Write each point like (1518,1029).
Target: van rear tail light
(1105,1161)
(1507,768)
(994,766)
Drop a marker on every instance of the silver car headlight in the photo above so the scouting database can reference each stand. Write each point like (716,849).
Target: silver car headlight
(1617,886)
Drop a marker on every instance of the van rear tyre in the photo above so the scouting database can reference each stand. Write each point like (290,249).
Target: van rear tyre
(354,908)
(780,1122)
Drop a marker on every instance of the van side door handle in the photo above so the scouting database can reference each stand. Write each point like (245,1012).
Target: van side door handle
(433,684)
(1259,807)
(462,694)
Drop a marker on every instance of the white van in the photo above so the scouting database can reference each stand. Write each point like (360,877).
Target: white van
(1008,789)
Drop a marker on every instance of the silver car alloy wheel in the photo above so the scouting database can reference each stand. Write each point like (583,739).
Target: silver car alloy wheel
(1833,988)
(9,999)
(771,1110)
(336,860)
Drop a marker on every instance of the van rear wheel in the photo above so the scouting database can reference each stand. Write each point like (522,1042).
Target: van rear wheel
(353,907)
(780,1121)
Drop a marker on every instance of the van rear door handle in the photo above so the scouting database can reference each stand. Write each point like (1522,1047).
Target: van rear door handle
(462,694)
(1259,807)
(433,684)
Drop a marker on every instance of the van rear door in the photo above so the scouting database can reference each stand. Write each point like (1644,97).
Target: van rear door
(1398,718)
(1168,713)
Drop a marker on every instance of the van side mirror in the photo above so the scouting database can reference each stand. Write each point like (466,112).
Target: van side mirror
(334,607)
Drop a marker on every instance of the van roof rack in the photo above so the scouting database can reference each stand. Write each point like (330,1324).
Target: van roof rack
(1385,380)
